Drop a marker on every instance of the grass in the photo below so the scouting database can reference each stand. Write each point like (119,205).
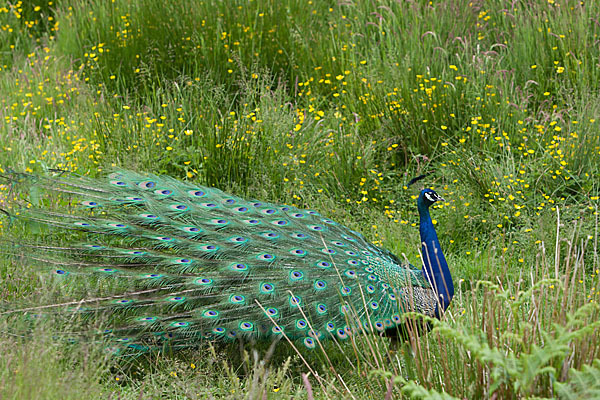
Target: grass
(334,107)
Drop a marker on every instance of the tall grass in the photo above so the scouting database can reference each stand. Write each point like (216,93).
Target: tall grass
(335,106)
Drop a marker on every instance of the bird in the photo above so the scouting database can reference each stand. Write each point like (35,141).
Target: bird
(191,263)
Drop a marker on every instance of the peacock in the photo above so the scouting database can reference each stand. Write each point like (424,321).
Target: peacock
(190,263)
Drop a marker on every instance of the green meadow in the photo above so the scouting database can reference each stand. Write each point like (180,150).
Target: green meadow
(332,106)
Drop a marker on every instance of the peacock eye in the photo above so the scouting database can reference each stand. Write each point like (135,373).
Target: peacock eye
(197,193)
(266,257)
(210,313)
(301,324)
(149,216)
(296,275)
(270,235)
(147,184)
(345,290)
(239,267)
(236,299)
(298,252)
(320,285)
(205,282)
(246,325)
(295,300)
(266,288)
(118,183)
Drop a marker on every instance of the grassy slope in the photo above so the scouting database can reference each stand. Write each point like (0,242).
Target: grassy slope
(334,107)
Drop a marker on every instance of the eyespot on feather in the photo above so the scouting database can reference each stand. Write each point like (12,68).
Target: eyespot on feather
(309,343)
(89,204)
(147,184)
(118,183)
(196,193)
(149,216)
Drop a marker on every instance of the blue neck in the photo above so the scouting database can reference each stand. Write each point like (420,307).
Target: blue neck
(435,267)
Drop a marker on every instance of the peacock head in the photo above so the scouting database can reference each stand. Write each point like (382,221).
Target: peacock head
(428,197)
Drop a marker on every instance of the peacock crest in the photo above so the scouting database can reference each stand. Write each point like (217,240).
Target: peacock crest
(194,263)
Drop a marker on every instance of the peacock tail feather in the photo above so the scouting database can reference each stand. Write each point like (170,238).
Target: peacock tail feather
(198,263)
